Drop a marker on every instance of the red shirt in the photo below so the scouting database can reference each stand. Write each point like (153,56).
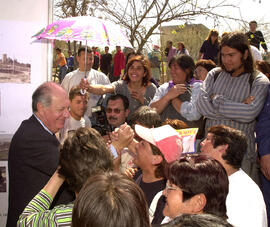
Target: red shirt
(118,63)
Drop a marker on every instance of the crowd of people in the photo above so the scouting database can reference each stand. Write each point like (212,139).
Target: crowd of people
(112,155)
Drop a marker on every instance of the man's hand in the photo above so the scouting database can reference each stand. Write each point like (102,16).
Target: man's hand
(213,96)
(121,138)
(124,137)
(249,100)
(265,166)
(176,90)
(84,84)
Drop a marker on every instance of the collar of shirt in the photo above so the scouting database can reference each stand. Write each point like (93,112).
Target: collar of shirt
(48,130)
(87,72)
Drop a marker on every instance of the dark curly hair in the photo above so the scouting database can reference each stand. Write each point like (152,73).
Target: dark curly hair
(236,141)
(196,174)
(83,154)
(146,116)
(175,123)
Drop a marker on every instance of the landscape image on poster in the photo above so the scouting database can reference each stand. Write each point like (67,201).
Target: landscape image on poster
(3,179)
(15,52)
(13,71)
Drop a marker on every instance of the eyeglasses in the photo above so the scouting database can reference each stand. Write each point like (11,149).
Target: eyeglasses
(116,111)
(169,187)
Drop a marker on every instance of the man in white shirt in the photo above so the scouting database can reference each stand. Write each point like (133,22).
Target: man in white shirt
(245,203)
(257,56)
(93,76)
(77,119)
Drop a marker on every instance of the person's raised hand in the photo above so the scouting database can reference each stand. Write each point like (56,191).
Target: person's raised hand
(130,172)
(54,183)
(124,138)
(176,90)
(84,84)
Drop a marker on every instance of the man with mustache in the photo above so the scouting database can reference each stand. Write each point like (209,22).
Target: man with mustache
(117,110)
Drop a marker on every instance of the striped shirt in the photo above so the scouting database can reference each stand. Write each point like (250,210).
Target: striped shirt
(188,109)
(227,106)
(37,213)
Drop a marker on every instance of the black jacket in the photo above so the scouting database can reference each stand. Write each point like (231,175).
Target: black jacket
(33,158)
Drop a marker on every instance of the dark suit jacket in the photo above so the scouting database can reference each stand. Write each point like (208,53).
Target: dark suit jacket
(33,158)
(262,128)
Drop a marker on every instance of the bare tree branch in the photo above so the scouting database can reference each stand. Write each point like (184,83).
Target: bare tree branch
(158,12)
(142,18)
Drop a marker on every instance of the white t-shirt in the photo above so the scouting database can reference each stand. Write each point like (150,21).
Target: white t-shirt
(126,160)
(245,203)
(94,77)
(72,124)
(255,53)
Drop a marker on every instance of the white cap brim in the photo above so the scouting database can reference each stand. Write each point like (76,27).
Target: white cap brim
(145,133)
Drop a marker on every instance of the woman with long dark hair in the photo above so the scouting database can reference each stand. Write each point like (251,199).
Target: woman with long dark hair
(210,47)
(136,85)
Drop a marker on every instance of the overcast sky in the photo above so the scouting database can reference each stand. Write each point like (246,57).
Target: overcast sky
(250,10)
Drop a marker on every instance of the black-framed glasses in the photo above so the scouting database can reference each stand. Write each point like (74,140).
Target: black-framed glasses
(116,110)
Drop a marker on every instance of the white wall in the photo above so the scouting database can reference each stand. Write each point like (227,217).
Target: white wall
(19,20)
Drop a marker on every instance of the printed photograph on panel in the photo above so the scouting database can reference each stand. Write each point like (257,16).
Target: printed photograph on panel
(3,179)
(15,66)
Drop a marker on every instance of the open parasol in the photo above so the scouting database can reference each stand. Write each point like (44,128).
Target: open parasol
(92,30)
